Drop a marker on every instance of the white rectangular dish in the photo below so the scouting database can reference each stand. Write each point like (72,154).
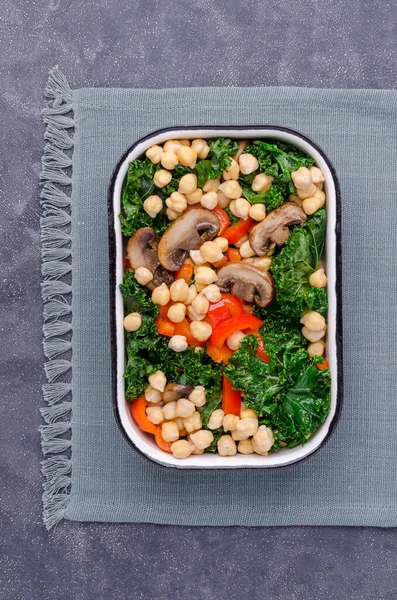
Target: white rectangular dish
(144,442)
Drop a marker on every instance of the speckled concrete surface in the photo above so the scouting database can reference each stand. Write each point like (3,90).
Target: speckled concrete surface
(322,43)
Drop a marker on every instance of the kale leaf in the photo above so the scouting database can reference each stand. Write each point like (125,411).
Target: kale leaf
(139,185)
(136,298)
(217,433)
(221,149)
(293,265)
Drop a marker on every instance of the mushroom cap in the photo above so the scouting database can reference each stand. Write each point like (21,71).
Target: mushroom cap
(174,391)
(274,228)
(187,232)
(247,282)
(142,252)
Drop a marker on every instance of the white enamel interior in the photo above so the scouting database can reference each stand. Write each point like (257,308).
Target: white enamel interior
(144,442)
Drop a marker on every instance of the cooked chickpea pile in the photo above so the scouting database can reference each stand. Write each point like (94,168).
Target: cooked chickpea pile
(180,419)
(181,425)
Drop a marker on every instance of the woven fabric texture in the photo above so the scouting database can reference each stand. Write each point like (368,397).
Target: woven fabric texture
(353,479)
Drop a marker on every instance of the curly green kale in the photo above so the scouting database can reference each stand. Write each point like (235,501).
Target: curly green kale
(217,161)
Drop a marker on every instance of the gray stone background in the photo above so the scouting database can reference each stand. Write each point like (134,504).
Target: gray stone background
(323,43)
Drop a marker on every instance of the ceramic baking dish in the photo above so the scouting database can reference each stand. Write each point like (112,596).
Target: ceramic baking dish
(144,442)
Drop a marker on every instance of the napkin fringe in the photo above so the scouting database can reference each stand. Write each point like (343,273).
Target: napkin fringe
(56,255)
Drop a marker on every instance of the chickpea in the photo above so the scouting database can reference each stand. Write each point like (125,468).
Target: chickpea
(201,148)
(172,146)
(234,340)
(193,423)
(226,446)
(216,419)
(313,321)
(169,160)
(188,183)
(153,205)
(205,275)
(231,172)
(197,267)
(155,414)
(202,439)
(197,396)
(187,156)
(162,178)
(262,262)
(178,343)
(200,286)
(241,241)
(177,202)
(211,251)
(209,200)
(313,336)
(193,315)
(132,322)
(238,435)
(201,304)
(212,293)
(169,410)
(302,179)
(257,212)
(152,395)
(179,290)
(293,198)
(143,275)
(318,279)
(181,449)
(317,175)
(248,413)
(313,203)
(185,142)
(245,447)
(248,163)
(240,208)
(194,197)
(184,408)
(211,185)
(222,243)
(170,431)
(231,189)
(198,451)
(181,426)
(247,426)
(201,330)
(177,312)
(230,422)
(242,144)
(316,349)
(223,202)
(158,380)
(172,214)
(246,251)
(197,257)
(262,183)
(263,440)
(154,154)
(192,294)
(161,295)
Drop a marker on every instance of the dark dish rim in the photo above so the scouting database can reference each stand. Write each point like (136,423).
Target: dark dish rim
(338,286)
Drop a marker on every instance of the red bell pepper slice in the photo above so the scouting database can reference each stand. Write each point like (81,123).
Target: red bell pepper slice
(219,355)
(223,219)
(219,263)
(323,366)
(234,304)
(235,232)
(185,272)
(138,411)
(228,306)
(231,399)
(165,327)
(233,254)
(222,331)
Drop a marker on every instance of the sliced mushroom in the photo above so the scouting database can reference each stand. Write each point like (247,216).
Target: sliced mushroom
(187,232)
(142,252)
(274,228)
(246,282)
(174,391)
